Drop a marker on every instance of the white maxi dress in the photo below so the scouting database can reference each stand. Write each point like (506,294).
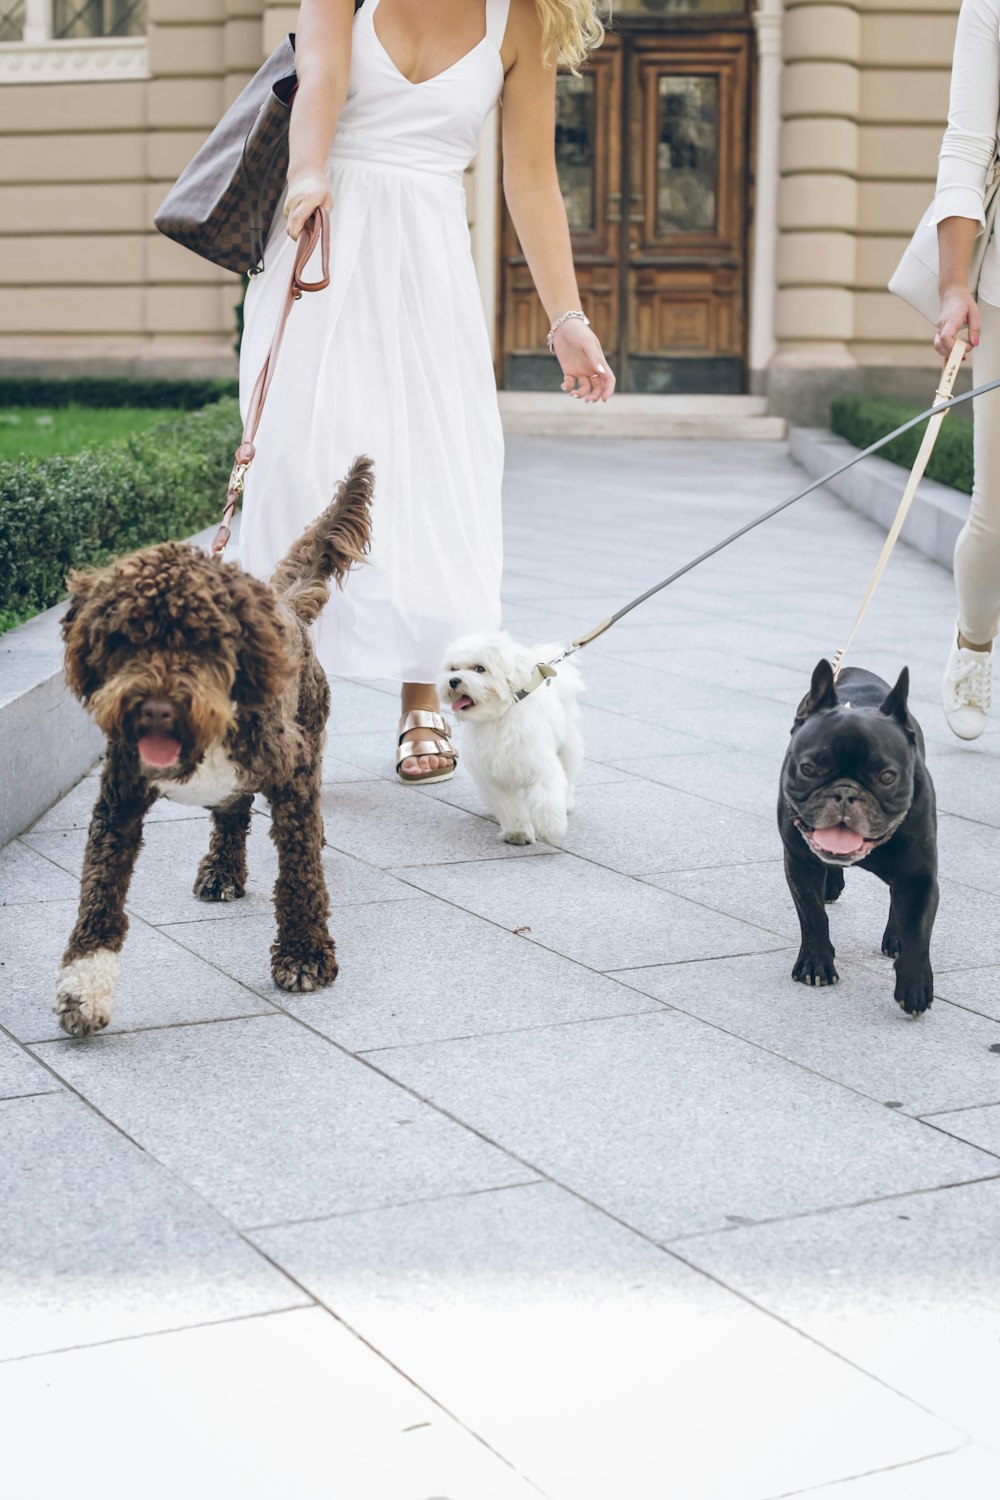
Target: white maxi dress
(393,360)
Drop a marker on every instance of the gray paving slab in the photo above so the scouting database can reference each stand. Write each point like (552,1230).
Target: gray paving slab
(966,781)
(357,707)
(161,983)
(908,1289)
(676,1127)
(714,671)
(609,736)
(589,914)
(966,930)
(969,852)
(637,827)
(270,1122)
(975,989)
(387,825)
(291,1404)
(99,1242)
(26,877)
(972,1473)
(979,1126)
(853,1032)
(733,777)
(20,1074)
(161,889)
(75,809)
(422,970)
(598,1364)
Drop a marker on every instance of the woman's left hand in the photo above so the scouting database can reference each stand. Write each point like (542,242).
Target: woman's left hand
(587,374)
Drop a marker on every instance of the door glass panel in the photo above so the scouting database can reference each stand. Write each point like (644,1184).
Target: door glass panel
(687,155)
(11,20)
(575,148)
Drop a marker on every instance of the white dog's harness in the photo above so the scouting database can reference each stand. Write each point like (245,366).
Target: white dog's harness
(937,413)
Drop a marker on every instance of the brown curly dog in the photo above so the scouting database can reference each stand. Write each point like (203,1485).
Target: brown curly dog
(205,683)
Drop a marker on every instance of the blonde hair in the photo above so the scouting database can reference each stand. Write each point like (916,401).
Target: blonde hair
(570,30)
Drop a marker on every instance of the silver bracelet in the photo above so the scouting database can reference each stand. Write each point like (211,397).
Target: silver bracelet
(550,336)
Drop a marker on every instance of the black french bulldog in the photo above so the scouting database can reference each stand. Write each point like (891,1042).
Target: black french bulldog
(855,790)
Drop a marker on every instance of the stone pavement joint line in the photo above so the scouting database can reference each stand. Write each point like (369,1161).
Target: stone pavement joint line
(564,1189)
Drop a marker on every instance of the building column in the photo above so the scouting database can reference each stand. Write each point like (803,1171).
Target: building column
(767,22)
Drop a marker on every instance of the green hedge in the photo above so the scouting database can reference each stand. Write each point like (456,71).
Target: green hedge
(60,513)
(864,419)
(186,394)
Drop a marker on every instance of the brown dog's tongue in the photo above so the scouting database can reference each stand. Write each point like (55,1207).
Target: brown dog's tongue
(838,840)
(159,749)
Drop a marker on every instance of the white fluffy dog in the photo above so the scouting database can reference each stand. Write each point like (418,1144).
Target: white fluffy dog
(524,755)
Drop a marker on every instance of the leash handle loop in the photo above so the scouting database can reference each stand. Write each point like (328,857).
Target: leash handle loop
(315,231)
(951,368)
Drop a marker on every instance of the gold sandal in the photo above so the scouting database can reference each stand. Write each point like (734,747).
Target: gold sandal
(422,718)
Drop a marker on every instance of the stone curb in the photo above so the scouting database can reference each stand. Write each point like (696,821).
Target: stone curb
(47,742)
(875,486)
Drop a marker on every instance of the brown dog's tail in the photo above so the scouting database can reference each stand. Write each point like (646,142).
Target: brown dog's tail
(331,546)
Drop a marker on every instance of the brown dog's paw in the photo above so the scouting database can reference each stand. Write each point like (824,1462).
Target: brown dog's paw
(85,997)
(217,885)
(302,973)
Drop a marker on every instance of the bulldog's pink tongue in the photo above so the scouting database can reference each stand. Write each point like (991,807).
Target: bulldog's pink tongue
(159,749)
(839,840)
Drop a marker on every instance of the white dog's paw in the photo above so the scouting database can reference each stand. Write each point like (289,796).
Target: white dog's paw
(85,997)
(518,836)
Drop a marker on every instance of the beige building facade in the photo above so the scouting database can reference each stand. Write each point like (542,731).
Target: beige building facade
(742,178)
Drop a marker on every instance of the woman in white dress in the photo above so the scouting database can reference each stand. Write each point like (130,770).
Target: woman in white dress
(967,155)
(393,358)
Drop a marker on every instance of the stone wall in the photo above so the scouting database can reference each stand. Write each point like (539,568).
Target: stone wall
(864,105)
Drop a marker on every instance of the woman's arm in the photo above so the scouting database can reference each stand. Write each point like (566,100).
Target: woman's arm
(322,63)
(967,152)
(531,188)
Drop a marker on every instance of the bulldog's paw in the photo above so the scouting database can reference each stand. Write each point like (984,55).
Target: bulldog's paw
(303,972)
(517,835)
(914,988)
(890,940)
(815,968)
(213,884)
(85,996)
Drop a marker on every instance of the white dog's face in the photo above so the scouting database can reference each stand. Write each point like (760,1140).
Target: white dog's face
(482,673)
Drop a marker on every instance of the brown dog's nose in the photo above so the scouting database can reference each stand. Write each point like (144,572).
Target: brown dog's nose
(157,714)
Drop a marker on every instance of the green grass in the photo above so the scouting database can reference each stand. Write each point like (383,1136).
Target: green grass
(33,432)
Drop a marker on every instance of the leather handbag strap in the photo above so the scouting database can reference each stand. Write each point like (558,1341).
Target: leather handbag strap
(951,369)
(316,231)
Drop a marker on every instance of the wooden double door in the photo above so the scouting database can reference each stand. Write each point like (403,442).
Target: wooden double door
(652,151)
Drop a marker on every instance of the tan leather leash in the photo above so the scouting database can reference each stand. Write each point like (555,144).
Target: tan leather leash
(952,366)
(316,230)
(936,414)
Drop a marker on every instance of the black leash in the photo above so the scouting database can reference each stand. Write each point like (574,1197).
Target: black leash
(545,670)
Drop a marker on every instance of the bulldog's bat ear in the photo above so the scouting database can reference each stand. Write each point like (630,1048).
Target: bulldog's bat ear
(894,706)
(822,694)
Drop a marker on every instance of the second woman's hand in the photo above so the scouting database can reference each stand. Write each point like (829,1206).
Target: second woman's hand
(587,376)
(958,310)
(306,192)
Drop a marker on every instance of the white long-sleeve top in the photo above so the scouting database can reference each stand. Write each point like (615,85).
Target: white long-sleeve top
(970,141)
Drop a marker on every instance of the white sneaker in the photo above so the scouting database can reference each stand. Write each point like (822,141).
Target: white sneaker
(967,691)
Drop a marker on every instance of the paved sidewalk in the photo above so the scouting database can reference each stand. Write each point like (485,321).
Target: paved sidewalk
(565,1188)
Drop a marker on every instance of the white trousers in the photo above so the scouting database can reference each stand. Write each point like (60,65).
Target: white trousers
(977,551)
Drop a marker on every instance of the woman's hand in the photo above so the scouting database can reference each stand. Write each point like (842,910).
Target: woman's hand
(587,374)
(307,193)
(958,311)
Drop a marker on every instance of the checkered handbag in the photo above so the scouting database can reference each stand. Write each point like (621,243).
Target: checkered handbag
(223,203)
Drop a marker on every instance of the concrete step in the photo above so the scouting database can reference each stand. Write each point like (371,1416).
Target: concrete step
(553,414)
